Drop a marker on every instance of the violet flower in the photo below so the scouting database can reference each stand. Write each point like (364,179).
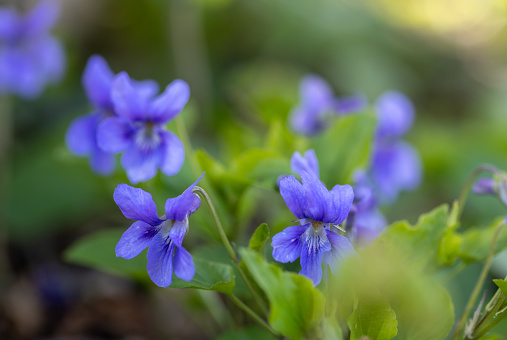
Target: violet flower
(163,235)
(30,58)
(81,137)
(139,129)
(395,165)
(318,104)
(314,240)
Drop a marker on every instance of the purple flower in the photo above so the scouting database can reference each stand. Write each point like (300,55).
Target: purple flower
(163,235)
(81,137)
(496,186)
(318,210)
(318,104)
(309,163)
(484,186)
(30,58)
(139,128)
(395,165)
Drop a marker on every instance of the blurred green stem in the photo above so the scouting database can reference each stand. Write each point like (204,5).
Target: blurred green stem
(480,282)
(230,250)
(254,315)
(470,182)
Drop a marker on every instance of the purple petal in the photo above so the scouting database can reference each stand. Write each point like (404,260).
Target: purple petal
(101,162)
(294,196)
(340,249)
(306,121)
(10,24)
(51,59)
(342,197)
(128,102)
(135,239)
(287,244)
(184,267)
(173,155)
(136,204)
(318,199)
(180,207)
(160,260)
(19,73)
(167,106)
(41,18)
(394,168)
(316,94)
(178,231)
(368,225)
(141,164)
(308,163)
(114,135)
(146,88)
(311,255)
(97,82)
(80,136)
(484,186)
(395,114)
(346,105)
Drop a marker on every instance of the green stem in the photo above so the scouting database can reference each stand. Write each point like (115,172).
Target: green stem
(493,323)
(254,315)
(480,282)
(470,182)
(5,145)
(230,250)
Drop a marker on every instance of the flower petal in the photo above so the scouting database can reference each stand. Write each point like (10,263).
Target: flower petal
(316,94)
(306,121)
(484,186)
(351,104)
(294,196)
(178,231)
(146,88)
(135,239)
(318,199)
(97,82)
(184,267)
(41,18)
(51,59)
(114,135)
(311,255)
(80,137)
(141,164)
(101,162)
(288,243)
(368,225)
(9,24)
(136,204)
(180,207)
(167,106)
(340,249)
(160,260)
(173,155)
(128,102)
(308,163)
(395,114)
(342,197)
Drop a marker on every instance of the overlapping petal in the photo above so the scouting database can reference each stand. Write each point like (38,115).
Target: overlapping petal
(311,255)
(287,245)
(141,164)
(173,153)
(316,94)
(80,136)
(41,18)
(340,249)
(308,163)
(178,231)
(136,204)
(97,82)
(137,238)
(114,134)
(167,106)
(182,206)
(395,114)
(9,24)
(184,267)
(341,197)
(294,196)
(160,260)
(101,162)
(127,101)
(318,199)
(351,104)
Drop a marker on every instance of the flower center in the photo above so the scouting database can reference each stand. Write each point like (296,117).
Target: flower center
(147,137)
(317,225)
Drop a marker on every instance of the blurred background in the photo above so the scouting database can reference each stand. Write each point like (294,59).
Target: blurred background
(243,61)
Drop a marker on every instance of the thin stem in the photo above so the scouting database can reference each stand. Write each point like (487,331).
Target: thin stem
(230,250)
(470,182)
(480,282)
(490,325)
(254,315)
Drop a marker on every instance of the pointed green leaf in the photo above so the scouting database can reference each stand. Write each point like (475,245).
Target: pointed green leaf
(296,306)
(259,238)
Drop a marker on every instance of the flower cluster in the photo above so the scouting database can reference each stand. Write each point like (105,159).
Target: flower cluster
(318,104)
(163,235)
(318,210)
(493,186)
(128,119)
(30,58)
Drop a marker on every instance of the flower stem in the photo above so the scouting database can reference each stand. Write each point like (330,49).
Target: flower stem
(230,250)
(480,282)
(470,182)
(254,315)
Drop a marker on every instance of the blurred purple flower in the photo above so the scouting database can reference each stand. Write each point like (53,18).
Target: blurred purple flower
(139,130)
(318,103)
(309,163)
(395,165)
(81,137)
(30,58)
(318,210)
(163,236)
(496,186)
(484,186)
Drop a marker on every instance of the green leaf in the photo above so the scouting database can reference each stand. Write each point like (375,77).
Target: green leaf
(477,242)
(374,318)
(345,147)
(259,238)
(502,284)
(296,306)
(97,251)
(251,333)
